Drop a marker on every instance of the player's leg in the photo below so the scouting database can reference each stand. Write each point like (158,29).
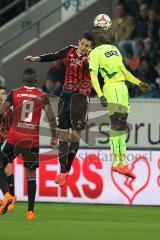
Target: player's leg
(78,116)
(117,97)
(31,190)
(31,163)
(73,148)
(10,184)
(63,126)
(7,154)
(63,149)
(10,178)
(111,95)
(61,178)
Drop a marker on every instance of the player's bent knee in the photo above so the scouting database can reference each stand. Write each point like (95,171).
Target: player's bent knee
(119,121)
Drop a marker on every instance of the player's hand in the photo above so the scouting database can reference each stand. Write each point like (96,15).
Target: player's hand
(54,143)
(145,87)
(32,59)
(103,101)
(3,132)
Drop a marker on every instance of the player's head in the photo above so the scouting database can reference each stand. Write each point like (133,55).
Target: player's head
(2,94)
(100,36)
(29,77)
(85,44)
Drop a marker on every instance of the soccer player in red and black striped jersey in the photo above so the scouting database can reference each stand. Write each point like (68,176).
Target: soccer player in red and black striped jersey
(72,107)
(23,135)
(3,131)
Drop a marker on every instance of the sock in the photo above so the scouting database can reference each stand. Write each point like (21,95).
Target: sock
(31,188)
(10,183)
(62,152)
(73,148)
(122,142)
(3,183)
(115,147)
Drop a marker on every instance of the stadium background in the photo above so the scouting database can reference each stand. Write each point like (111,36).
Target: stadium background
(39,26)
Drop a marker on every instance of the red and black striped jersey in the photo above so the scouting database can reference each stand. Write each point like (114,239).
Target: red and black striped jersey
(27,103)
(77,77)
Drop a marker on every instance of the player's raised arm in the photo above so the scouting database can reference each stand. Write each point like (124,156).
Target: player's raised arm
(49,57)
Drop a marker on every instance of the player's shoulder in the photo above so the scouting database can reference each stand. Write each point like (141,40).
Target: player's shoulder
(73,46)
(13,90)
(70,47)
(94,51)
(39,92)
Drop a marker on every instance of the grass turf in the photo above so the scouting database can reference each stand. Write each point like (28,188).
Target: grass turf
(82,222)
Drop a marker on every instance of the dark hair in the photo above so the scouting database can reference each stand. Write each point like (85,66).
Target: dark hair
(2,88)
(29,77)
(87,36)
(100,36)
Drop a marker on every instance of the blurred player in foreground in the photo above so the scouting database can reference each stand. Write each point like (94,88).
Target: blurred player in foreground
(23,136)
(107,60)
(72,107)
(3,131)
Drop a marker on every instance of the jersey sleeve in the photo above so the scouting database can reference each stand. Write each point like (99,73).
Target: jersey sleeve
(61,54)
(93,61)
(9,98)
(128,76)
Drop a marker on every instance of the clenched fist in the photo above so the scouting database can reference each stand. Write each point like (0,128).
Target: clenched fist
(54,143)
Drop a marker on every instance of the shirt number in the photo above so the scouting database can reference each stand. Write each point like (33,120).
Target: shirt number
(27,111)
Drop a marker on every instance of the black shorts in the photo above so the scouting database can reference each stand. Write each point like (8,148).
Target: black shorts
(72,111)
(30,155)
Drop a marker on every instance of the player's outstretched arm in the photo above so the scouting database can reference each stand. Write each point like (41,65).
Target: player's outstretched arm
(49,57)
(96,86)
(129,77)
(144,87)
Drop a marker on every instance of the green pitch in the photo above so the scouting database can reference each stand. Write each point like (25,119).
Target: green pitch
(82,222)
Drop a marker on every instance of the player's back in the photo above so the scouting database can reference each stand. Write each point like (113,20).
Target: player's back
(109,61)
(27,105)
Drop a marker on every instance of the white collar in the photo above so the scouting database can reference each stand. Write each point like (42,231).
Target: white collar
(29,87)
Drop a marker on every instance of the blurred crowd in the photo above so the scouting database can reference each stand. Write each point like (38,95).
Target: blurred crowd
(136,32)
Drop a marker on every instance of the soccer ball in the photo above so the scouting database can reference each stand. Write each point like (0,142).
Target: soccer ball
(103,21)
